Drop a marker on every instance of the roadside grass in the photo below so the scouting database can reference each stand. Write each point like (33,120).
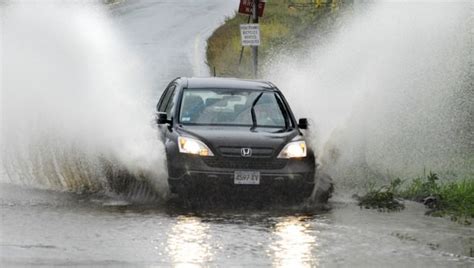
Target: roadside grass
(454,199)
(284,26)
(382,198)
(421,188)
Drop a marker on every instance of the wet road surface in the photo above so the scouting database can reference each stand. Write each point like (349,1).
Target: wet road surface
(51,228)
(171,36)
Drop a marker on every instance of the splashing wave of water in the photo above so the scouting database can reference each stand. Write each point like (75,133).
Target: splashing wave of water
(390,91)
(73,98)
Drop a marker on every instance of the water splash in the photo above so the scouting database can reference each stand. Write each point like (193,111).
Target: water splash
(390,92)
(73,98)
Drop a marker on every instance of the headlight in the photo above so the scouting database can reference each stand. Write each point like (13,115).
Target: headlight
(193,146)
(295,149)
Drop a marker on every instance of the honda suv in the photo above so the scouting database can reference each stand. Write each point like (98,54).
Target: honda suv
(232,136)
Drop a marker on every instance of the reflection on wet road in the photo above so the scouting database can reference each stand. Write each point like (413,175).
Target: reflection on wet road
(294,243)
(188,242)
(51,228)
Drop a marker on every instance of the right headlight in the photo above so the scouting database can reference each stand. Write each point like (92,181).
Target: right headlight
(295,149)
(193,146)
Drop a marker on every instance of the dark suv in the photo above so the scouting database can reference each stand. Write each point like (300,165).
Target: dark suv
(232,136)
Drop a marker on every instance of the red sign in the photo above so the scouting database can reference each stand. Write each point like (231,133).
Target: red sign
(246,7)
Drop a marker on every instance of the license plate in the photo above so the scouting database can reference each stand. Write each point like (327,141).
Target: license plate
(246,177)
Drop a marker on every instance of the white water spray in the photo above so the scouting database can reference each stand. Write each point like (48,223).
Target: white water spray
(391,91)
(73,97)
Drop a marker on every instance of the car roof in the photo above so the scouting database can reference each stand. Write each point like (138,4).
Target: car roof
(227,83)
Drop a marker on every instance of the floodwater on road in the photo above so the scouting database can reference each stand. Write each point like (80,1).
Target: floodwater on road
(51,228)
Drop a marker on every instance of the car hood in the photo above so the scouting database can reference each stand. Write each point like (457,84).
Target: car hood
(222,138)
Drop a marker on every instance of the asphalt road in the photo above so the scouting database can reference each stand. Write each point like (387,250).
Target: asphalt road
(170,36)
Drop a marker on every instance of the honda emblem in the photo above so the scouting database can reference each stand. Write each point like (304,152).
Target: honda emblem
(246,152)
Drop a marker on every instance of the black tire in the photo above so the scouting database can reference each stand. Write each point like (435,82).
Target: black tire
(324,188)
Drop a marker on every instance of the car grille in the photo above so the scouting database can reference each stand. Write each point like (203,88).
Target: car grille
(245,163)
(237,151)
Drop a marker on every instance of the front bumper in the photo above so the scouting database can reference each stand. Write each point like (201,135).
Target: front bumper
(194,174)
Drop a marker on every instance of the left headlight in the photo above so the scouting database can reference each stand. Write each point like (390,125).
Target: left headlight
(193,146)
(295,149)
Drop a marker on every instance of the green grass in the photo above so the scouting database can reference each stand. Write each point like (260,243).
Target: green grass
(458,198)
(454,199)
(421,187)
(284,26)
(383,198)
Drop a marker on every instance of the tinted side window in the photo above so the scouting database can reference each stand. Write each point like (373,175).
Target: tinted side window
(162,98)
(165,98)
(171,102)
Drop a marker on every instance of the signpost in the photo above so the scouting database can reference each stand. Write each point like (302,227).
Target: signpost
(250,34)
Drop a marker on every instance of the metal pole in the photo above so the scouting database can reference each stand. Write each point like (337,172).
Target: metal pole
(255,48)
(242,50)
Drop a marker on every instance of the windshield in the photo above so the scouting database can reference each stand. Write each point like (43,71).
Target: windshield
(232,107)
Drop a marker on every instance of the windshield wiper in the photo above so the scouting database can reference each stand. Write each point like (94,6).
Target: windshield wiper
(254,117)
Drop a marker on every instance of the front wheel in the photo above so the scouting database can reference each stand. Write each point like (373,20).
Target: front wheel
(324,188)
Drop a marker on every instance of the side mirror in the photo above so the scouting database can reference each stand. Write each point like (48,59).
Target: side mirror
(162,118)
(303,123)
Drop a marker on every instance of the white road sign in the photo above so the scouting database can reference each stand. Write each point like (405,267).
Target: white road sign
(250,34)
